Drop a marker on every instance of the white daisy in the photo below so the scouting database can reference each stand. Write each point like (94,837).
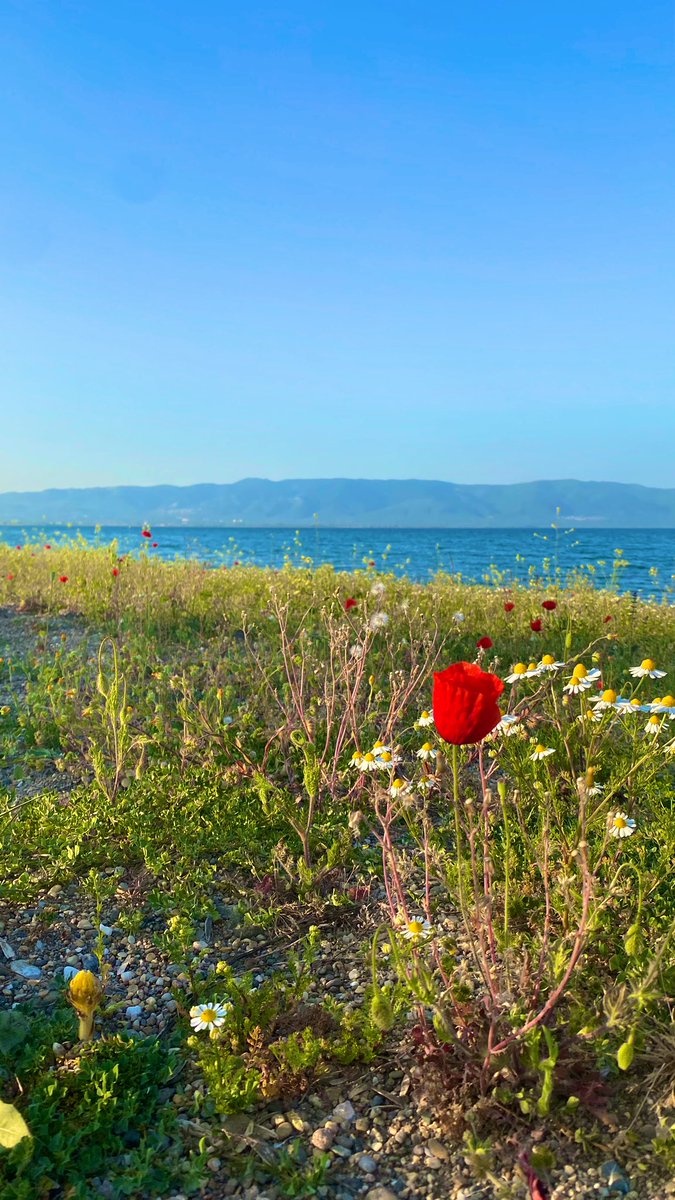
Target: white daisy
(621,826)
(665,706)
(605,700)
(368,762)
(427,783)
(386,760)
(379,747)
(508,725)
(548,663)
(356,758)
(427,718)
(416,929)
(399,788)
(518,672)
(654,724)
(427,752)
(625,706)
(647,667)
(209,1016)
(541,752)
(582,679)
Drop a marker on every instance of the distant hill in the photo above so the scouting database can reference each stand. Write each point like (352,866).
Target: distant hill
(353,503)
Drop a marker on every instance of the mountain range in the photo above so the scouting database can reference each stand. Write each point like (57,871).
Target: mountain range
(351,503)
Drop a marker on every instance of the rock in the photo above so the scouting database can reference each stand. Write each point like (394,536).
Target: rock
(25,969)
(437,1149)
(55,890)
(90,963)
(213,1164)
(284,1130)
(58,1050)
(6,948)
(618,1183)
(380,1193)
(367,1164)
(344,1112)
(322,1139)
(106,930)
(134,1010)
(69,973)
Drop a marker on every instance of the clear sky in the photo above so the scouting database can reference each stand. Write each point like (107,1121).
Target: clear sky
(304,238)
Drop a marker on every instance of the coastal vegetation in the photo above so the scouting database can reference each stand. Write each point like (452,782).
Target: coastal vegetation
(332,884)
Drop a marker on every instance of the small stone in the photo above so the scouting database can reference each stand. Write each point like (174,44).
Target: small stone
(437,1149)
(380,1193)
(344,1112)
(25,969)
(134,1010)
(213,1164)
(55,890)
(341,1151)
(284,1130)
(362,1124)
(367,1164)
(69,973)
(106,930)
(322,1139)
(58,1049)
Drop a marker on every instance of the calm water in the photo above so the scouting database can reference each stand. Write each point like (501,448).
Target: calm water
(418,553)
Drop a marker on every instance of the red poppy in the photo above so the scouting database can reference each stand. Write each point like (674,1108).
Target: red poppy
(350,602)
(485,643)
(47,547)
(10,577)
(146,533)
(509,606)
(536,625)
(465,703)
(18,547)
(236,562)
(63,578)
(155,545)
(549,605)
(606,619)
(371,562)
(116,570)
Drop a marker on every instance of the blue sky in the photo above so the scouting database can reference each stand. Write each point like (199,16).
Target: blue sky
(412,239)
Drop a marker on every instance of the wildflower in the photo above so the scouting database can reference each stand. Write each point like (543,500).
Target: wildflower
(385,760)
(416,929)
(378,589)
(508,725)
(209,1016)
(10,577)
(368,762)
(509,606)
(146,533)
(581,679)
(536,625)
(427,718)
(654,724)
(63,578)
(350,602)
(427,752)
(458,617)
(647,667)
(356,651)
(624,705)
(606,620)
(519,671)
(116,571)
(428,782)
(465,703)
(399,788)
(378,621)
(549,663)
(356,758)
(605,700)
(621,826)
(485,643)
(378,747)
(155,545)
(85,994)
(549,605)
(47,546)
(666,705)
(541,752)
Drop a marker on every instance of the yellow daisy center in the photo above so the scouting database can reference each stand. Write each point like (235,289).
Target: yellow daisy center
(620,822)
(540,749)
(398,783)
(427,746)
(580,671)
(668,701)
(208,1015)
(425,715)
(654,720)
(385,756)
(416,926)
(377,745)
(532,667)
(609,696)
(635,702)
(648,664)
(548,660)
(369,757)
(519,669)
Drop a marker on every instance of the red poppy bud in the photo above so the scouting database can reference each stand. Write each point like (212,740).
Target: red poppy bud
(236,562)
(116,571)
(155,545)
(549,605)
(465,703)
(10,577)
(47,547)
(371,562)
(536,625)
(485,643)
(63,578)
(606,619)
(350,603)
(509,606)
(18,547)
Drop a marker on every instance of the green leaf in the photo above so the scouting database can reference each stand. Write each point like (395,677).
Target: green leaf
(13,1128)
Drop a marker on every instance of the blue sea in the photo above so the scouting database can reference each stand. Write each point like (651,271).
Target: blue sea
(477,555)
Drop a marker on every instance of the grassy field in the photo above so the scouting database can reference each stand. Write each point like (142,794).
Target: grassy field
(329,953)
